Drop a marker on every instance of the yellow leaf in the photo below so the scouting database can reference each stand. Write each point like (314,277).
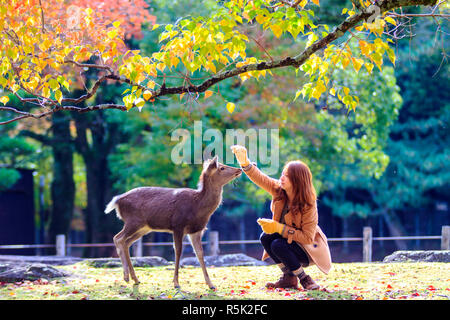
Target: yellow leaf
(316,2)
(357,63)
(182,95)
(332,92)
(4,100)
(147,95)
(365,47)
(318,90)
(230,107)
(155,26)
(116,24)
(277,31)
(303,3)
(112,34)
(391,21)
(346,91)
(150,84)
(58,95)
(208,93)
(369,67)
(139,102)
(345,62)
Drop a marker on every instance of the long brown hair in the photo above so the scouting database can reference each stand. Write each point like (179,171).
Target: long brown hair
(300,177)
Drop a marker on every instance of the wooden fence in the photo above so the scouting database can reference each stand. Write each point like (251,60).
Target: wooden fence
(213,243)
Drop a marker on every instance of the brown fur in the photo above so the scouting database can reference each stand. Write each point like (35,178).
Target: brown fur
(181,211)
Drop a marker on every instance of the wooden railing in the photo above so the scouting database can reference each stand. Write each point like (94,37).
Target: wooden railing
(214,243)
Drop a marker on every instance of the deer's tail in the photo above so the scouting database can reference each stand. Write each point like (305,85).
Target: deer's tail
(112,205)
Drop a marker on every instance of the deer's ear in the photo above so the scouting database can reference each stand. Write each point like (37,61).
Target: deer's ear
(214,163)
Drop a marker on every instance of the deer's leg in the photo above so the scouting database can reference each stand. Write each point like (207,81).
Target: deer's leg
(122,242)
(129,241)
(118,241)
(178,247)
(196,242)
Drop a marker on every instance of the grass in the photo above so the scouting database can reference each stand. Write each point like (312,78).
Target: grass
(354,281)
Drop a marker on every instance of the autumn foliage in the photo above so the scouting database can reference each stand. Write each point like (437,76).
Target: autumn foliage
(43,45)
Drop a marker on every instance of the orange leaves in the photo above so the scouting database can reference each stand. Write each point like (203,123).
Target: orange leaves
(74,32)
(208,93)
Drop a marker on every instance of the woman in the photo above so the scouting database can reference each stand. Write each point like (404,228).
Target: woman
(292,237)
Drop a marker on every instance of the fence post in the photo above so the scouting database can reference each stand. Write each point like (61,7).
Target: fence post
(445,240)
(367,244)
(214,243)
(60,245)
(137,248)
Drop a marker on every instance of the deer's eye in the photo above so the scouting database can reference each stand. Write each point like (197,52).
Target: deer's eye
(223,168)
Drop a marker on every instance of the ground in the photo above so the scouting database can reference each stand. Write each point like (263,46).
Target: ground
(356,281)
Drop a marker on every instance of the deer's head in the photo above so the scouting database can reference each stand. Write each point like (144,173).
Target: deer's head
(217,173)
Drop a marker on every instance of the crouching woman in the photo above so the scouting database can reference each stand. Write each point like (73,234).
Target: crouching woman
(292,238)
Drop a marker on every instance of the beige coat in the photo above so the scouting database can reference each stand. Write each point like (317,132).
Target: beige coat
(306,231)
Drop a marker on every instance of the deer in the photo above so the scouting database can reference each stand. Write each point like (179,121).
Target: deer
(180,211)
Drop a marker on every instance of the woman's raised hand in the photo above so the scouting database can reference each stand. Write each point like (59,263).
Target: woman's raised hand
(241,155)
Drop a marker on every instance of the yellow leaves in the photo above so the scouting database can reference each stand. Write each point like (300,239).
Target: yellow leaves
(365,47)
(376,27)
(4,100)
(318,89)
(230,107)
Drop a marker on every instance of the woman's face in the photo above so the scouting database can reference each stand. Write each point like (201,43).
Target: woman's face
(285,183)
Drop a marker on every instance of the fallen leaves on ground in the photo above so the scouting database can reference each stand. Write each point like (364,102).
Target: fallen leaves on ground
(346,281)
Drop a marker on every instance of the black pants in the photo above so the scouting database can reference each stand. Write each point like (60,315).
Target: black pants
(291,255)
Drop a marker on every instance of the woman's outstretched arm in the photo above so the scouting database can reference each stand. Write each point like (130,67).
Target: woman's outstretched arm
(260,179)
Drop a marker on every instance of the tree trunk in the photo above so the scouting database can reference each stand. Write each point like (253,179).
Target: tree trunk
(63,185)
(99,227)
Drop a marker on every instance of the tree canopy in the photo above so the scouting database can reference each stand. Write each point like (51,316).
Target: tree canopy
(47,47)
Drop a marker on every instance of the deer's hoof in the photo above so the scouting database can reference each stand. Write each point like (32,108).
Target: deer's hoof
(212,287)
(126,279)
